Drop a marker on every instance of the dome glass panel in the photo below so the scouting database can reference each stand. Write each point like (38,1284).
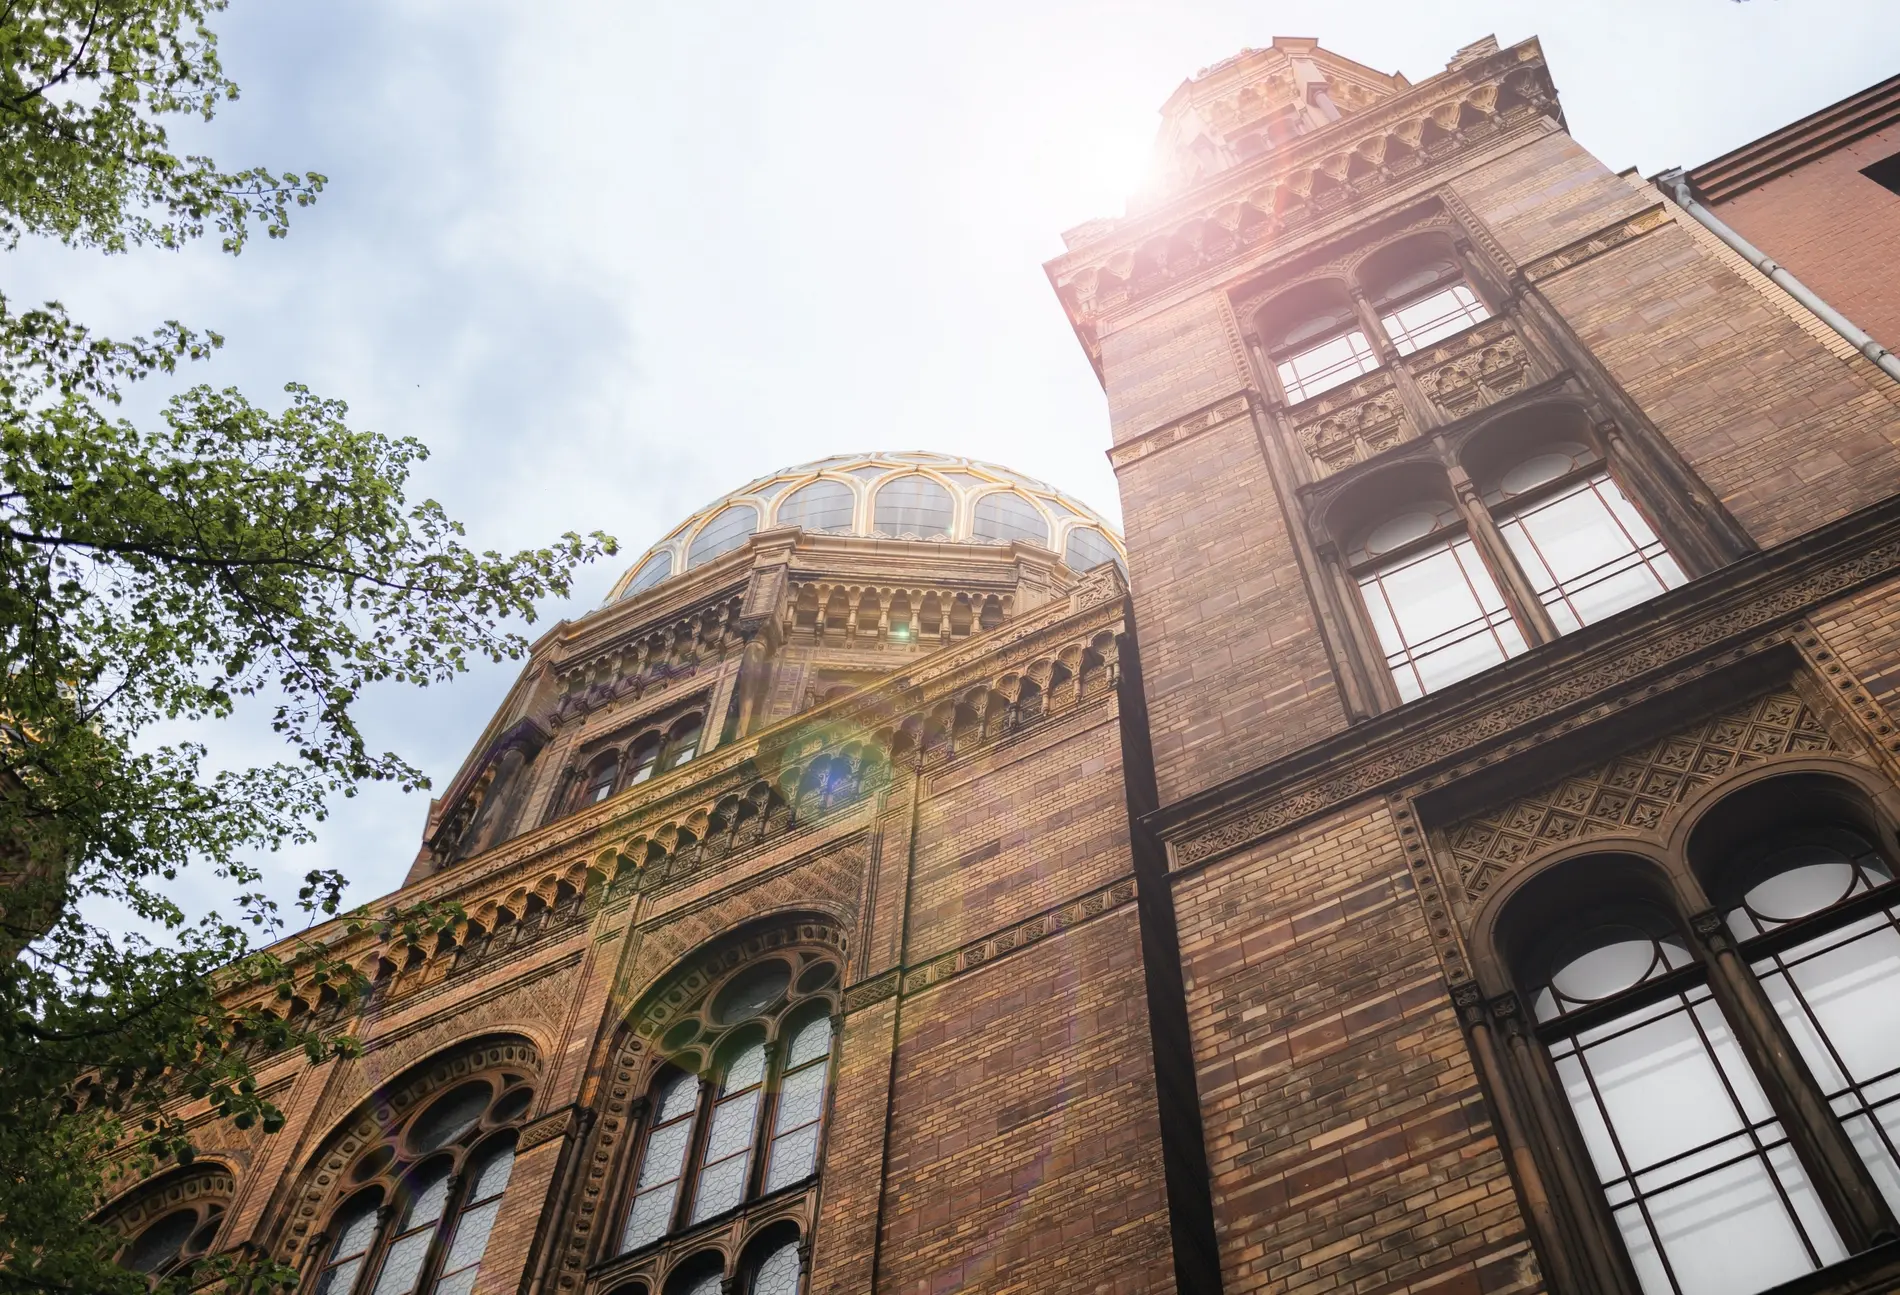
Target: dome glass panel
(723,534)
(1004,515)
(651,572)
(821,506)
(1087,549)
(914,505)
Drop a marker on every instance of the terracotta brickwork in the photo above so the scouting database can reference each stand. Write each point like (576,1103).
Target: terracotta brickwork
(1014,925)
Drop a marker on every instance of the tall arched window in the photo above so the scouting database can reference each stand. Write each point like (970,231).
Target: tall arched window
(1421,296)
(1433,603)
(1586,550)
(1735,1092)
(642,757)
(1315,341)
(423,1197)
(760,1035)
(1705,1189)
(599,784)
(682,743)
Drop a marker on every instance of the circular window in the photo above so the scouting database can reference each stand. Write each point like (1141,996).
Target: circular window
(1413,523)
(1807,879)
(752,992)
(817,977)
(374,1163)
(161,1243)
(1541,469)
(680,1035)
(453,1114)
(513,1103)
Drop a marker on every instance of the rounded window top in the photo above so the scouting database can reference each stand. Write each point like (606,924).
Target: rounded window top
(1413,279)
(777,1273)
(651,572)
(820,506)
(1548,464)
(453,1114)
(160,1245)
(723,534)
(1604,962)
(1004,515)
(1808,877)
(1403,526)
(914,505)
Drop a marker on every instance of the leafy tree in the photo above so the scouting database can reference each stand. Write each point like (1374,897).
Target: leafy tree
(167,572)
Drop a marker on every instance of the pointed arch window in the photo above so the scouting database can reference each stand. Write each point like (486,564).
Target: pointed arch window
(761,1035)
(425,1196)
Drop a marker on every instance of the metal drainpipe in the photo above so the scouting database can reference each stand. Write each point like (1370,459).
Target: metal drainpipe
(1676,185)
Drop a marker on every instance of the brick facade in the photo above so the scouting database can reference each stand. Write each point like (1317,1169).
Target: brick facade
(1165,946)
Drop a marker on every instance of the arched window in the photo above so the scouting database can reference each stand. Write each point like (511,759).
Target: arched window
(1819,922)
(1587,551)
(778,1271)
(1315,341)
(1702,1183)
(642,757)
(913,505)
(682,744)
(722,534)
(1422,297)
(1087,548)
(443,1170)
(820,506)
(171,1222)
(651,572)
(600,780)
(1004,515)
(1432,601)
(761,1035)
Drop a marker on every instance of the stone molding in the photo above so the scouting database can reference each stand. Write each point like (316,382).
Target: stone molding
(1746,608)
(1593,245)
(928,973)
(555,1124)
(1208,417)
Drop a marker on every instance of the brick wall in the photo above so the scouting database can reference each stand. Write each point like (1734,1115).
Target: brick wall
(1835,229)
(1348,1139)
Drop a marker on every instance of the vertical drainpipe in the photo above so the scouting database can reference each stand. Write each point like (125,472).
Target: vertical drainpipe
(1676,184)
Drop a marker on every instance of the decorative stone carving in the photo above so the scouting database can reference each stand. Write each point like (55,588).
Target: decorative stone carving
(1596,244)
(936,970)
(1474,369)
(1221,411)
(1352,423)
(1632,791)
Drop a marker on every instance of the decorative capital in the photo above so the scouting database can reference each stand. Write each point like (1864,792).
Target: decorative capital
(1712,931)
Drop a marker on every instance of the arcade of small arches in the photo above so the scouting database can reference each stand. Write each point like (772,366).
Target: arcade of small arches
(1696,1034)
(1315,186)
(894,614)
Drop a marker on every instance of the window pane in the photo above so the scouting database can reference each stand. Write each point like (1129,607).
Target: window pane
(678,1099)
(490,1175)
(778,1273)
(812,1041)
(471,1236)
(650,1216)
(801,1097)
(1328,365)
(651,572)
(913,505)
(1439,616)
(341,1279)
(721,1187)
(404,1263)
(1431,319)
(430,1194)
(1588,553)
(1004,515)
(723,534)
(1087,549)
(794,1156)
(665,1150)
(821,506)
(748,1068)
(355,1233)
(732,1125)
(1707,1194)
(459,1283)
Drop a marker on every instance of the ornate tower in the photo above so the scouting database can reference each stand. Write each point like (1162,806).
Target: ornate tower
(1511,565)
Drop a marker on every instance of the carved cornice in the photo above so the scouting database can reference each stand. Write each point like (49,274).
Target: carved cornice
(1208,417)
(553,1125)
(1748,607)
(1603,240)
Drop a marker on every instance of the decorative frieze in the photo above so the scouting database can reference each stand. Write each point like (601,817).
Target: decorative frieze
(1350,424)
(1224,410)
(1596,244)
(1474,369)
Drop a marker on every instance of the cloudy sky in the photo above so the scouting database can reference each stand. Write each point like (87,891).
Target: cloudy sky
(610,260)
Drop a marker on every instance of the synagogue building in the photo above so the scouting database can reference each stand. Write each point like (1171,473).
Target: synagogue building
(1447,843)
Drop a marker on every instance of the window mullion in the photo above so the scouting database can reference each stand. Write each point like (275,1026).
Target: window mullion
(708,1103)
(765,1117)
(1841,1179)
(1425,415)
(1533,618)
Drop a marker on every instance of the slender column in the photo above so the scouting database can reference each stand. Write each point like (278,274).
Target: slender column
(1365,642)
(1424,414)
(1471,1010)
(1601,1250)
(1531,614)
(1840,1176)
